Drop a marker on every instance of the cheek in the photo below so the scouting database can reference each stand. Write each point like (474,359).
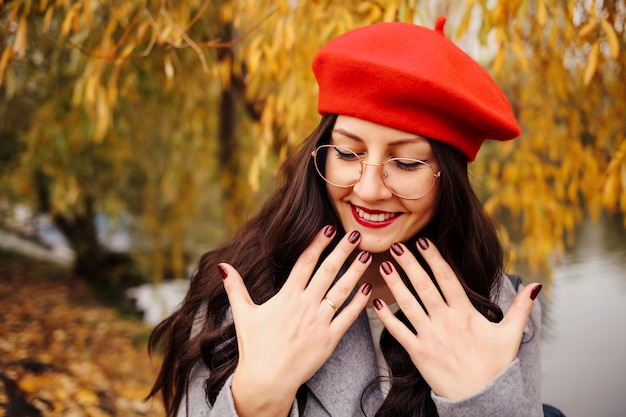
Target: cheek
(335,195)
(423,210)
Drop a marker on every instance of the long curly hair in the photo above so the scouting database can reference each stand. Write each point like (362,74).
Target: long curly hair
(265,249)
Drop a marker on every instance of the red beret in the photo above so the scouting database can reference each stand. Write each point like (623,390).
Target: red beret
(413,79)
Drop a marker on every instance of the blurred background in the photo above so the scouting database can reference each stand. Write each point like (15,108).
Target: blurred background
(136,135)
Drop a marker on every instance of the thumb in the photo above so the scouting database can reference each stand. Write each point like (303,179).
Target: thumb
(236,291)
(522,305)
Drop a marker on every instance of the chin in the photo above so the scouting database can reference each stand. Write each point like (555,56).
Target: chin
(373,246)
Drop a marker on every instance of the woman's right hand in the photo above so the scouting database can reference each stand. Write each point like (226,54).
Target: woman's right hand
(285,340)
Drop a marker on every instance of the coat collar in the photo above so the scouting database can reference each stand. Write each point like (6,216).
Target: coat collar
(339,384)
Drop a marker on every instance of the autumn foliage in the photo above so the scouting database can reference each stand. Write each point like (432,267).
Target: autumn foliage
(178,112)
(63,353)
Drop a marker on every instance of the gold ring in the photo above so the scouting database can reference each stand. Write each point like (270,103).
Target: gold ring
(330,303)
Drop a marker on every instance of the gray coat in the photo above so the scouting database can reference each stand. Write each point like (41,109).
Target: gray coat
(336,390)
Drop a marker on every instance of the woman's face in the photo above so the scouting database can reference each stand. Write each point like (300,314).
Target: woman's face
(369,206)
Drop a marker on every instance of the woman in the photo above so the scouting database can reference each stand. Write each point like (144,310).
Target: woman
(376,204)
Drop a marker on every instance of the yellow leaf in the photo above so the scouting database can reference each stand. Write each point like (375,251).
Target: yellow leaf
(67,22)
(141,30)
(587,28)
(608,194)
(103,115)
(498,60)
(592,64)
(87,397)
(542,12)
(47,19)
(168,67)
(29,383)
(390,13)
(87,13)
(6,57)
(14,11)
(363,7)
(79,90)
(91,86)
(21,37)
(612,37)
(226,12)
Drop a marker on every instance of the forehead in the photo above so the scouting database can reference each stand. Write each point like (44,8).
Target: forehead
(372,134)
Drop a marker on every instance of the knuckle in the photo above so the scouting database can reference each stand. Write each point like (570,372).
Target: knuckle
(308,257)
(344,248)
(328,269)
(423,286)
(342,289)
(351,314)
(407,301)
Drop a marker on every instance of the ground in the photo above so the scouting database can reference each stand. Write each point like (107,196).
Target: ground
(63,352)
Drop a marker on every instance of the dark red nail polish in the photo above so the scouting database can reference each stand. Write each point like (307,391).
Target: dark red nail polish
(329,231)
(367,289)
(535,292)
(386,266)
(364,256)
(354,236)
(378,305)
(422,242)
(397,249)
(223,272)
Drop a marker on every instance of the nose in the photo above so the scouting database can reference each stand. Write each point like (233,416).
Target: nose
(371,186)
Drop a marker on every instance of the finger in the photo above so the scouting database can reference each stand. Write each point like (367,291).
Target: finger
(308,259)
(341,290)
(403,296)
(330,267)
(398,330)
(423,284)
(236,290)
(520,310)
(449,283)
(342,322)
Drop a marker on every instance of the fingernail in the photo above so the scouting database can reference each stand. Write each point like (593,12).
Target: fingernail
(367,289)
(397,249)
(387,269)
(223,272)
(354,236)
(378,305)
(422,242)
(535,292)
(329,231)
(364,256)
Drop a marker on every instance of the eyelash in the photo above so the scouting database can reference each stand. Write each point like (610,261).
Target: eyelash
(343,155)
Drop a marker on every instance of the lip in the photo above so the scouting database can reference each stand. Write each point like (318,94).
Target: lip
(370,223)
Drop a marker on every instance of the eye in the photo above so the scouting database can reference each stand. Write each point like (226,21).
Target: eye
(407,164)
(345,154)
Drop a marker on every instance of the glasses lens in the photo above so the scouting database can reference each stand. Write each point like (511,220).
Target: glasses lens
(338,166)
(408,178)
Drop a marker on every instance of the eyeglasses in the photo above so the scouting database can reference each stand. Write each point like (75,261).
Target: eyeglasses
(404,177)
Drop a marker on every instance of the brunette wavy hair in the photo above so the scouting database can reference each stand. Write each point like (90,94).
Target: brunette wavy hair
(265,249)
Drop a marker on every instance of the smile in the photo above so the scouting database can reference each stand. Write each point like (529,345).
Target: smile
(371,218)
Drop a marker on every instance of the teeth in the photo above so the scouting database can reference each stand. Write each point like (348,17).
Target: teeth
(379,217)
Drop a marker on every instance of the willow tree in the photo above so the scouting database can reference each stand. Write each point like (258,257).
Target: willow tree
(564,66)
(163,100)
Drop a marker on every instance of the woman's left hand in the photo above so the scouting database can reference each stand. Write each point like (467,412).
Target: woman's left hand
(456,349)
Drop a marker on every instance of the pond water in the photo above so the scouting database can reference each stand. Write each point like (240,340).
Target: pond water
(584,324)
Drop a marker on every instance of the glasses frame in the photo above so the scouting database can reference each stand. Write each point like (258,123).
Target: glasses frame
(436,174)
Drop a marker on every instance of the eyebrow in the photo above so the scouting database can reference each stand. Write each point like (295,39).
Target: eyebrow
(416,139)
